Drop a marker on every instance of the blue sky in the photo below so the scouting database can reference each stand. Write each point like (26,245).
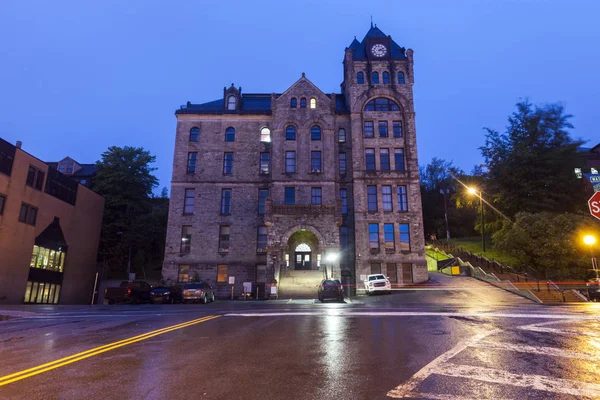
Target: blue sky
(79,76)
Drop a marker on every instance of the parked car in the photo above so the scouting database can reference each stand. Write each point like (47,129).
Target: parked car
(377,283)
(167,294)
(198,292)
(330,289)
(593,288)
(129,292)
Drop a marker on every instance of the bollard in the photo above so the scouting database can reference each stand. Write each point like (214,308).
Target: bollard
(231,292)
(256,298)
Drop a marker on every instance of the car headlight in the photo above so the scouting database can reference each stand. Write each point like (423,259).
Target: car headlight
(370,283)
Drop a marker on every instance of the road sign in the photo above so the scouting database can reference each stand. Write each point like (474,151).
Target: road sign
(594,203)
(594,180)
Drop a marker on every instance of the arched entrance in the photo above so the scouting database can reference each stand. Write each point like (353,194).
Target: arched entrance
(303,250)
(302,257)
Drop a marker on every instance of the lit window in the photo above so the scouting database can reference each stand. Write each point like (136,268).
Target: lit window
(313,102)
(183,275)
(290,133)
(373,236)
(370,159)
(360,78)
(231,103)
(384,159)
(372,198)
(401,78)
(303,102)
(186,239)
(290,162)
(265,135)
(386,198)
(382,104)
(227,163)
(388,235)
(222,273)
(402,198)
(230,134)
(386,78)
(191,165)
(194,134)
(293,102)
(342,135)
(315,196)
(404,237)
(49,259)
(225,201)
(375,78)
(223,238)
(188,203)
(315,132)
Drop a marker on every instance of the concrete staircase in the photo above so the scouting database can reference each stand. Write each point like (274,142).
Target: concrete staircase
(299,284)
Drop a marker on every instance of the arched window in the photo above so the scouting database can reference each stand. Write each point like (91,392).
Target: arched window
(375,78)
(293,102)
(303,247)
(315,132)
(230,134)
(265,135)
(303,102)
(290,132)
(342,135)
(382,104)
(313,102)
(401,78)
(231,103)
(386,78)
(194,134)
(360,78)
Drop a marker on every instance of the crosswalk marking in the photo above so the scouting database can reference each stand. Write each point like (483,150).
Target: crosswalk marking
(546,351)
(555,331)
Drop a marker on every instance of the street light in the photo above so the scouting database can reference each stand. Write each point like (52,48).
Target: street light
(331,258)
(478,193)
(590,241)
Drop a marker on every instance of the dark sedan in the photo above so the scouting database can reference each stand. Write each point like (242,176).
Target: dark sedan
(330,289)
(166,294)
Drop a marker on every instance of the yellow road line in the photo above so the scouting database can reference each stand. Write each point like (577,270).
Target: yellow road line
(5,380)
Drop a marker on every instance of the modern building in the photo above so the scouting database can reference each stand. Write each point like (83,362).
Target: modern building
(82,173)
(295,186)
(49,232)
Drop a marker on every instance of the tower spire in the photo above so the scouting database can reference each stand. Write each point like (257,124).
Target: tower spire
(371,22)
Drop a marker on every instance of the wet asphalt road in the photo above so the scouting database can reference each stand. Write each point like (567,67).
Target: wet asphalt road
(462,339)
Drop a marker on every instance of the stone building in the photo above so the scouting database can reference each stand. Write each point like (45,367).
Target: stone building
(300,185)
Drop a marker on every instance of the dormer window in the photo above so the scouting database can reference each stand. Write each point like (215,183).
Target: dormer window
(69,168)
(231,103)
(293,102)
(313,102)
(386,78)
(375,78)
(360,78)
(303,102)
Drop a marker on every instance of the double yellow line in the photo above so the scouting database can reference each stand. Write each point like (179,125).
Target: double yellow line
(17,376)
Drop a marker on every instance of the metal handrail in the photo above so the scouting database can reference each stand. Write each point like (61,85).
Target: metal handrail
(558,289)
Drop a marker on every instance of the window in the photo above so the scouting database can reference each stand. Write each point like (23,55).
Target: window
(28,214)
(227,163)
(388,235)
(397,126)
(45,258)
(384,158)
(401,78)
(315,133)
(313,102)
(375,269)
(223,238)
(373,236)
(61,187)
(404,237)
(62,168)
(386,197)
(360,78)
(265,135)
(315,161)
(290,133)
(402,200)
(230,134)
(391,272)
(69,168)
(386,78)
(263,194)
(382,104)
(383,129)
(35,178)
(183,275)
(370,159)
(372,198)
(342,135)
(188,202)
(226,201)
(186,239)
(7,154)
(375,78)
(342,163)
(399,159)
(315,196)
(290,196)
(293,102)
(344,198)
(290,162)
(261,238)
(344,237)
(191,165)
(195,134)
(221,273)
(265,163)
(2,202)
(302,102)
(368,129)
(231,103)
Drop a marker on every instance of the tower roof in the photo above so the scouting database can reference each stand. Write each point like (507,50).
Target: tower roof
(360,48)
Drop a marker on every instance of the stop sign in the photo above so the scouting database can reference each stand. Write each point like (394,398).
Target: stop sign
(594,203)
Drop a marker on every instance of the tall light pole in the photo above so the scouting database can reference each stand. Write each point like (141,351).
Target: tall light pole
(479,193)
(590,240)
(444,192)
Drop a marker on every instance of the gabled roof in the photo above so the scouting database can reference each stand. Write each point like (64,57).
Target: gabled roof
(259,103)
(360,48)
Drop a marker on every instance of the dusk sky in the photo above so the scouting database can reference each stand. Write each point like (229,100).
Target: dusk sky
(79,76)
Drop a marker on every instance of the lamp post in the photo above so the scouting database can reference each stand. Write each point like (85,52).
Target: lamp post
(444,192)
(590,241)
(478,193)
(331,259)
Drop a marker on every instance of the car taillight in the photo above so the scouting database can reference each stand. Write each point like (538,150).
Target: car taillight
(105,292)
(128,291)
(201,290)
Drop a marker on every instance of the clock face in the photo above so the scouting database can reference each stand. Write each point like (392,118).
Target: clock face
(379,50)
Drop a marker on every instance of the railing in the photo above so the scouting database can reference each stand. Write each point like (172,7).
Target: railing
(554,287)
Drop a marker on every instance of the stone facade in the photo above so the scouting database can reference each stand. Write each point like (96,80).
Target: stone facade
(226,230)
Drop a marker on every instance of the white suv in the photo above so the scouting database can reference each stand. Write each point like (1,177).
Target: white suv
(377,283)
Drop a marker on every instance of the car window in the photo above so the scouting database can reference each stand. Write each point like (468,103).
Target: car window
(193,286)
(372,278)
(379,277)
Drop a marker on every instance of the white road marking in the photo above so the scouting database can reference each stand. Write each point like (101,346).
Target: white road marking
(440,396)
(555,331)
(537,382)
(546,351)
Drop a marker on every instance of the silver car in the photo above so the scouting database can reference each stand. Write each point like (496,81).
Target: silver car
(198,292)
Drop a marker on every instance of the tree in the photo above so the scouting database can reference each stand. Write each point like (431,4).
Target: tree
(547,243)
(530,166)
(125,180)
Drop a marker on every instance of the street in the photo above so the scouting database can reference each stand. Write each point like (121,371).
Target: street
(459,339)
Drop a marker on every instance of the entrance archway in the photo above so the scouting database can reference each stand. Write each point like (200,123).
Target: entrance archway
(303,257)
(303,250)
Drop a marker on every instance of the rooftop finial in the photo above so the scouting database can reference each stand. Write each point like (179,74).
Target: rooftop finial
(371,22)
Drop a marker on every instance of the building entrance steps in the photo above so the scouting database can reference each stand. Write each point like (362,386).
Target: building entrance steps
(300,284)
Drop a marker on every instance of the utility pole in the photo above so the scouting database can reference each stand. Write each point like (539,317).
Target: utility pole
(444,192)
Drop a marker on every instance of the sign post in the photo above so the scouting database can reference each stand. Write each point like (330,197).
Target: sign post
(594,203)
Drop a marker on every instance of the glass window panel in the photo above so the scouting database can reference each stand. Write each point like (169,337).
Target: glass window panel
(51,259)
(391,272)
(386,194)
(343,165)
(263,194)
(191,165)
(46,293)
(360,78)
(188,203)
(40,293)
(290,196)
(397,127)
(51,294)
(227,163)
(313,103)
(386,78)
(290,162)
(34,256)
(290,133)
(368,129)
(388,234)
(404,237)
(402,198)
(265,135)
(315,133)
(372,198)
(375,78)
(34,292)
(194,134)
(383,128)
(370,159)
(230,134)
(399,159)
(373,236)
(342,135)
(27,292)
(62,261)
(316,196)
(384,159)
(293,102)
(56,294)
(222,273)
(401,78)
(183,273)
(303,102)
(344,198)
(315,161)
